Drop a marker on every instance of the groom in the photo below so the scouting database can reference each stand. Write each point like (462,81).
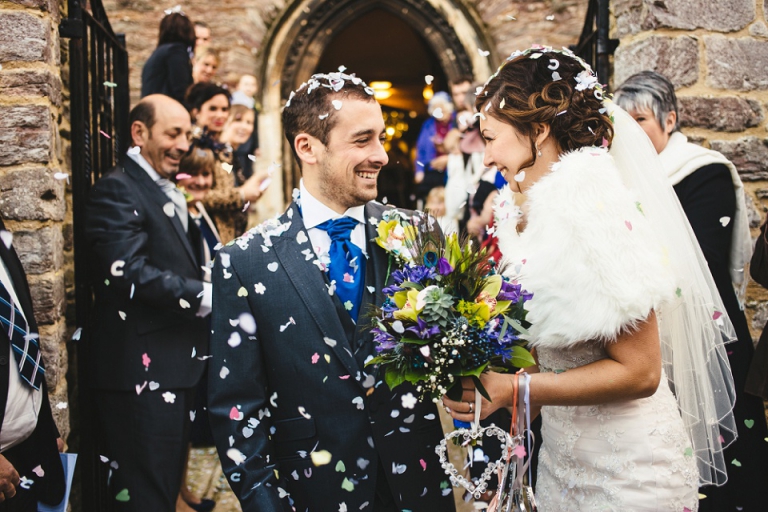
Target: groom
(298,419)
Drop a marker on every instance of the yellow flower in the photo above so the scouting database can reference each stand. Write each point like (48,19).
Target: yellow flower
(406,301)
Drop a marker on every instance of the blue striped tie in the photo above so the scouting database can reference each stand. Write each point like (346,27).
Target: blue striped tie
(25,347)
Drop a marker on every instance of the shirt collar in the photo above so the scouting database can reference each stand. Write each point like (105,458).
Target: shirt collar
(139,159)
(314,212)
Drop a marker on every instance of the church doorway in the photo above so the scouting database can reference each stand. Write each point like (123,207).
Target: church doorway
(391,44)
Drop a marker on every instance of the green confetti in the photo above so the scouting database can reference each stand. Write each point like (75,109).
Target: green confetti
(749,423)
(444,484)
(688,452)
(736,463)
(347,485)
(639,207)
(106,282)
(679,292)
(340,467)
(123,496)
(348,305)
(110,84)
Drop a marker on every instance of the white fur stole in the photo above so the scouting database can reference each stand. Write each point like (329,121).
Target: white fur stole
(587,253)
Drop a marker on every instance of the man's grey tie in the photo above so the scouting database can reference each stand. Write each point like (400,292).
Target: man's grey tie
(178,199)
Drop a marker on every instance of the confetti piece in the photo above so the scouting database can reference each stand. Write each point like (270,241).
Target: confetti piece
(329,342)
(556,76)
(236,456)
(7,238)
(153,386)
(628,224)
(423,464)
(519,451)
(135,150)
(483,53)
(105,134)
(140,388)
(226,166)
(688,452)
(408,401)
(323,116)
(749,423)
(320,457)
(235,414)
(234,339)
(64,405)
(327,358)
(169,397)
(511,18)
(259,288)
(736,463)
(110,84)
(301,237)
(169,209)
(724,221)
(247,323)
(39,471)
(272,267)
(340,467)
(184,304)
(551,17)
(123,496)
(398,327)
(398,469)
(336,104)
(358,401)
(347,485)
(61,176)
(315,358)
(520,176)
(117,268)
(242,292)
(304,413)
(428,79)
(716,315)
(145,360)
(223,372)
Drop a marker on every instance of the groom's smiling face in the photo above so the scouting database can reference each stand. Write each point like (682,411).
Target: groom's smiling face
(349,164)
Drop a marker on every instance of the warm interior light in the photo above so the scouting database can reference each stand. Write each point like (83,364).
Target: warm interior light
(380,85)
(390,130)
(428,92)
(382,94)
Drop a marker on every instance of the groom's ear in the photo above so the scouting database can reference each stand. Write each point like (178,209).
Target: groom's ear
(306,147)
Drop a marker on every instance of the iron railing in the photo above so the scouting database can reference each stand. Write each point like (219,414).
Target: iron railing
(99,107)
(595,45)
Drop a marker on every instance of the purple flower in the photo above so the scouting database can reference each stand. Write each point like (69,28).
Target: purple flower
(419,273)
(443,267)
(384,340)
(422,330)
(512,292)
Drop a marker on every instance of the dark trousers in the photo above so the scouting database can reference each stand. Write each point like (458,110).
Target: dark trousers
(148,438)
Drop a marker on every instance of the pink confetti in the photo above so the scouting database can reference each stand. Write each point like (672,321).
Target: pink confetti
(722,439)
(234,414)
(315,358)
(145,360)
(519,451)
(343,377)
(183,176)
(628,224)
(104,134)
(423,464)
(348,278)
(605,143)
(716,315)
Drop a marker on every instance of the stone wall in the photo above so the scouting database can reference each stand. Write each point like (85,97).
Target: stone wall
(716,54)
(34,201)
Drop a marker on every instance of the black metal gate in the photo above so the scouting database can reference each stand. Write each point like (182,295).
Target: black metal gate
(99,107)
(595,46)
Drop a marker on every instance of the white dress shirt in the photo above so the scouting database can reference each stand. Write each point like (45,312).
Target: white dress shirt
(314,213)
(23,405)
(207,302)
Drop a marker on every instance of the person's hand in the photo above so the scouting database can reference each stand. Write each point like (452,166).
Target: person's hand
(418,177)
(60,444)
(439,163)
(252,189)
(500,387)
(9,479)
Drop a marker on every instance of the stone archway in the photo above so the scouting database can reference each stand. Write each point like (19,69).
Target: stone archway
(295,44)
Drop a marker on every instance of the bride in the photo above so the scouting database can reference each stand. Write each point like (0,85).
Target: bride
(627,326)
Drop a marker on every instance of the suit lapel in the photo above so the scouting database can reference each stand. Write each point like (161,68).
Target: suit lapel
(157,196)
(305,277)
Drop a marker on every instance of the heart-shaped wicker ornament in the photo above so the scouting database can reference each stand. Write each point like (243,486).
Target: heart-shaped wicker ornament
(467,436)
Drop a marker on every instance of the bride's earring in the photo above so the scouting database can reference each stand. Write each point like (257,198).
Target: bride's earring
(538,150)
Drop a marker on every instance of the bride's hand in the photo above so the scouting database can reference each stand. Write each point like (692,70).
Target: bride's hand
(500,388)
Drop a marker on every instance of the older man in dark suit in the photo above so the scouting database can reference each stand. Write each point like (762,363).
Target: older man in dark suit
(149,337)
(30,467)
(298,418)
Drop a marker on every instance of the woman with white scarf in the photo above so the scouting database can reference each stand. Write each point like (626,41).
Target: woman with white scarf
(712,196)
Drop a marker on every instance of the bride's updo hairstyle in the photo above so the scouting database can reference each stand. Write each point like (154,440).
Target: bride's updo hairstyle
(553,87)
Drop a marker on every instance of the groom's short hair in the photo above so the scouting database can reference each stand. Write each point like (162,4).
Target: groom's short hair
(310,108)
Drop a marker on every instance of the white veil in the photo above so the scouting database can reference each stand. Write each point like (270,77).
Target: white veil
(694,327)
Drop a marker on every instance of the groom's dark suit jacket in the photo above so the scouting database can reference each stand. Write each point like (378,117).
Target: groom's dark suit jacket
(297,389)
(40,448)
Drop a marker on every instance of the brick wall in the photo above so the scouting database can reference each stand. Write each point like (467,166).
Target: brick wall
(716,54)
(34,201)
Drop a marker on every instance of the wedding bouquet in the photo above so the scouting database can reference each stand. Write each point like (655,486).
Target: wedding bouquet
(450,313)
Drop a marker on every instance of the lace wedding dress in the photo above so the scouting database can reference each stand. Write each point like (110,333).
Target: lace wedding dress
(591,260)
